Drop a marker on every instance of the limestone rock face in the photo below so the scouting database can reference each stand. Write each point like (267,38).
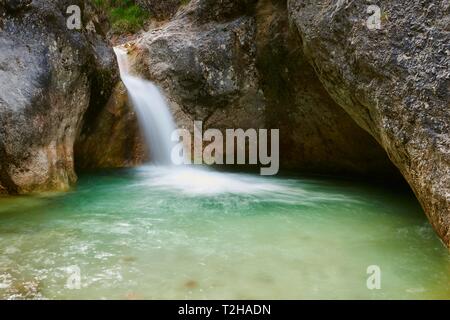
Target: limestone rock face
(219,10)
(393,81)
(110,137)
(237,64)
(160,9)
(317,135)
(204,68)
(49,76)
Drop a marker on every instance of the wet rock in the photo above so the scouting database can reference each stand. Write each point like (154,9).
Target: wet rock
(133,296)
(110,137)
(191,284)
(128,259)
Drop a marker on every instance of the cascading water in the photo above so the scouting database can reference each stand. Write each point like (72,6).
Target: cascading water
(152,111)
(157,124)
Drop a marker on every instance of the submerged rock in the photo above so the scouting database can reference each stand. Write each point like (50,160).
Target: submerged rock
(393,81)
(191,284)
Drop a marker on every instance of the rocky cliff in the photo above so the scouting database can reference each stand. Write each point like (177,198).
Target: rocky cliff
(238,64)
(393,81)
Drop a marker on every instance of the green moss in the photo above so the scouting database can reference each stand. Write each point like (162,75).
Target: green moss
(124,15)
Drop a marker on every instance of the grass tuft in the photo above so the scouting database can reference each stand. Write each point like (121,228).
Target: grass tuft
(125,16)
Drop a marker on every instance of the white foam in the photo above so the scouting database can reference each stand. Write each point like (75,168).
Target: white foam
(190,180)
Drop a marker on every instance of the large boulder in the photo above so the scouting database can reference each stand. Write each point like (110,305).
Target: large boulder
(49,76)
(206,69)
(393,81)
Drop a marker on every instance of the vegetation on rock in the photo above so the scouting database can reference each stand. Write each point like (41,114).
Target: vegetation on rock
(125,16)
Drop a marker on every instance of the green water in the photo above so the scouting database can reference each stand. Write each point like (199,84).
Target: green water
(161,234)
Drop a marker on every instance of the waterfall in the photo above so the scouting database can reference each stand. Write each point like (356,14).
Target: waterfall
(157,124)
(152,111)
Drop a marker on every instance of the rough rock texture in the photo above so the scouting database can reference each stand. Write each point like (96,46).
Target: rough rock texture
(394,82)
(49,76)
(235,64)
(206,69)
(160,9)
(317,135)
(110,137)
(204,11)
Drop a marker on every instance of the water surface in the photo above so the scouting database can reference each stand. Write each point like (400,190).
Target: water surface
(155,233)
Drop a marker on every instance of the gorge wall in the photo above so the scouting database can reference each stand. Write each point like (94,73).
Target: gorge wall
(394,82)
(238,64)
(347,100)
